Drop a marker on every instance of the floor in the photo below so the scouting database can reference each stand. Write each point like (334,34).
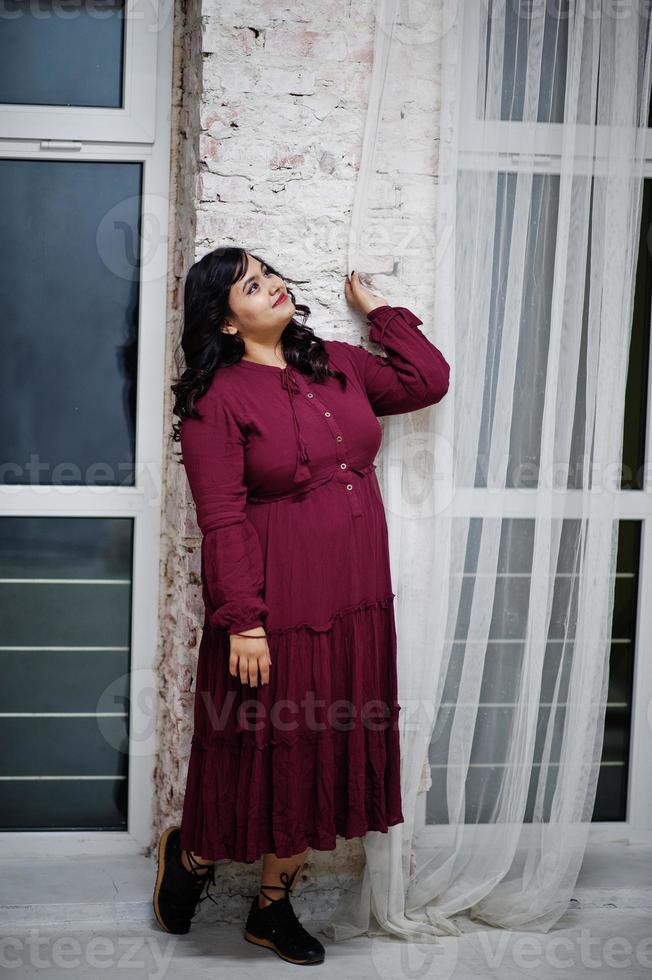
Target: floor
(110,931)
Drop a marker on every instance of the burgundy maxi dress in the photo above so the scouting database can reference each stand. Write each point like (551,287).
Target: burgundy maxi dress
(281,470)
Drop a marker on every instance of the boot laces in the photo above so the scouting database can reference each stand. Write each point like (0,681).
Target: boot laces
(203,880)
(286,886)
(285,915)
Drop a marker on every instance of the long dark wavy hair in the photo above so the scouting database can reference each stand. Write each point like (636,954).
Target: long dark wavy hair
(206,347)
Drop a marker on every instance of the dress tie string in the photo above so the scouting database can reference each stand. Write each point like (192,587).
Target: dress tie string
(302,471)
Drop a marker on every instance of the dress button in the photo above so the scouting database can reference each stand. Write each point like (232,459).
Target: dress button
(327,414)
(338,438)
(349,486)
(343,465)
(309,395)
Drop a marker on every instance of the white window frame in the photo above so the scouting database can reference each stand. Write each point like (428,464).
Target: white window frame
(536,148)
(142,501)
(135,121)
(537,143)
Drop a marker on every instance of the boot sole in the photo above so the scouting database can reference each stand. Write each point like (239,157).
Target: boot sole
(270,945)
(159,878)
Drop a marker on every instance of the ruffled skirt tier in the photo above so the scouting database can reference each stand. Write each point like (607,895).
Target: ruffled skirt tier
(311,756)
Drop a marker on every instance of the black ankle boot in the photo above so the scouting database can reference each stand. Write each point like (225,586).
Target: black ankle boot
(177,891)
(277,927)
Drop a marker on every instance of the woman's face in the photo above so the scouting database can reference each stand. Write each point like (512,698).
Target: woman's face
(257,304)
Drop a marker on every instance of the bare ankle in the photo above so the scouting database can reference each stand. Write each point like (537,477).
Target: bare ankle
(196,860)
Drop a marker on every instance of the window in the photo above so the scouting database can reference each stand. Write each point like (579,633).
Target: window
(84,167)
(505,147)
(79,69)
(70,251)
(69,55)
(65,601)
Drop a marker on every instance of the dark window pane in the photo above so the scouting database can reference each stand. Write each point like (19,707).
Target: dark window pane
(69,291)
(64,804)
(611,798)
(66,53)
(64,614)
(88,747)
(639,354)
(65,606)
(65,547)
(68,680)
(611,793)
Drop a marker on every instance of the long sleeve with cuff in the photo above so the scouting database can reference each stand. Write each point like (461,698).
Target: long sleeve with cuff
(415,373)
(232,563)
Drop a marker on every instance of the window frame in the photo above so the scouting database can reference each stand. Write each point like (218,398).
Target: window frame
(140,501)
(135,122)
(530,144)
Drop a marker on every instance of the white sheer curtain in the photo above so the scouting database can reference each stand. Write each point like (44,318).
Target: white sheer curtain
(502,499)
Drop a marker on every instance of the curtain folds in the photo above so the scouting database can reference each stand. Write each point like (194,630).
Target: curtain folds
(502,501)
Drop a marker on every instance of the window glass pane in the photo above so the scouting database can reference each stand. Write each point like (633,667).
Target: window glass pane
(503,667)
(513,58)
(523,466)
(634,430)
(611,798)
(69,291)
(535,311)
(65,605)
(507,78)
(65,53)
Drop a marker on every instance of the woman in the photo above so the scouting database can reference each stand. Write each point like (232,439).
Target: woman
(296,714)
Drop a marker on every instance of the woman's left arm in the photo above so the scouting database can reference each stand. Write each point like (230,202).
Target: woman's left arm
(414,374)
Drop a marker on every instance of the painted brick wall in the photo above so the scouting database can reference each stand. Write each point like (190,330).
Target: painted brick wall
(268,115)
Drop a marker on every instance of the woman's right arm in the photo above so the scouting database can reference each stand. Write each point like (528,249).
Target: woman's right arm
(213,457)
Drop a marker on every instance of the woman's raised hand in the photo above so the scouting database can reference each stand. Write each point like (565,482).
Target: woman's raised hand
(357,290)
(249,657)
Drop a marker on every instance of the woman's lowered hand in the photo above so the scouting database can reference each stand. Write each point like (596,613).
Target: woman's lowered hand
(249,657)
